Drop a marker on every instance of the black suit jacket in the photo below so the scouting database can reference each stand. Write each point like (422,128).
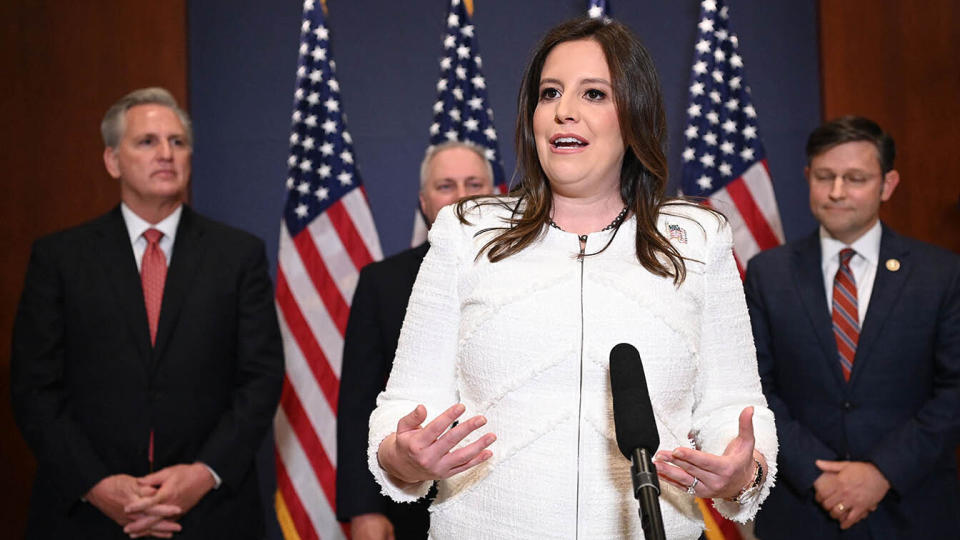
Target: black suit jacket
(901,408)
(376,315)
(88,386)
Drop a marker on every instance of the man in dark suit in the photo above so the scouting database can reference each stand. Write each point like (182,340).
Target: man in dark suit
(144,389)
(449,172)
(858,343)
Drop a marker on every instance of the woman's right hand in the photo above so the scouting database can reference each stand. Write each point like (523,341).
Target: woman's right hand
(414,454)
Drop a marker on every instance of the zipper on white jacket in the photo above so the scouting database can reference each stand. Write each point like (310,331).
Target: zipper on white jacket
(583,247)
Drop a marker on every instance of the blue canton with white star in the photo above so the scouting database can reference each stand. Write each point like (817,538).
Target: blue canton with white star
(597,9)
(721,139)
(462,111)
(321,167)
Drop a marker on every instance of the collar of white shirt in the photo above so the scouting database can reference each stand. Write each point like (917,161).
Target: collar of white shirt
(867,246)
(136,225)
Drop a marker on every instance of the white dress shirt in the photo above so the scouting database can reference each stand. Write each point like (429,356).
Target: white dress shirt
(136,226)
(863,265)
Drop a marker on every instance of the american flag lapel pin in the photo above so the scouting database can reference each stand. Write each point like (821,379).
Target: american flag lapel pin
(677,233)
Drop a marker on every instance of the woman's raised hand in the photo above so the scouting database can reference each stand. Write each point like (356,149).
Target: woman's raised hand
(711,476)
(416,453)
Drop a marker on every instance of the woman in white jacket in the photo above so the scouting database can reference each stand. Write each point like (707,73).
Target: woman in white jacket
(520,300)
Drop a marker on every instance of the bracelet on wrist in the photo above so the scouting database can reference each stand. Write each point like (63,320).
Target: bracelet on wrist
(752,487)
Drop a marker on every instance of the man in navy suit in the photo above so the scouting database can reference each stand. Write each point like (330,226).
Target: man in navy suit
(147,363)
(449,172)
(858,343)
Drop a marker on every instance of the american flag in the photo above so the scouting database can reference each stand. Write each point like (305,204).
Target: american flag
(327,234)
(723,158)
(462,111)
(597,9)
(724,162)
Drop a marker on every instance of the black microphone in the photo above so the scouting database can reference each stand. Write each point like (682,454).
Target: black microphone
(637,434)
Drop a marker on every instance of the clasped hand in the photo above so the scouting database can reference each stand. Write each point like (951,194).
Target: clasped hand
(414,454)
(371,526)
(710,475)
(150,506)
(849,490)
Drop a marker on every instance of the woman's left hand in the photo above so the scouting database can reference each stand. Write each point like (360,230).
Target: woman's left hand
(712,476)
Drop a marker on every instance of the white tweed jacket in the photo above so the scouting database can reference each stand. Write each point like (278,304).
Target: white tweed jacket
(526,342)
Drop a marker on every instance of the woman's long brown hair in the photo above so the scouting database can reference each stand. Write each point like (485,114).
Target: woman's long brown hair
(643,176)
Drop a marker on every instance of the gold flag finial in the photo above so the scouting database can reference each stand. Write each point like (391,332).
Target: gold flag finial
(469,5)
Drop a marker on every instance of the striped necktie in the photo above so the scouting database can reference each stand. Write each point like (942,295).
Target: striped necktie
(846,319)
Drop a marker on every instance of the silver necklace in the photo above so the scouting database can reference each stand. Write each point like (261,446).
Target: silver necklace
(613,224)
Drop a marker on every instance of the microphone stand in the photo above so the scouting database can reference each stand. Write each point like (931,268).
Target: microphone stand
(646,489)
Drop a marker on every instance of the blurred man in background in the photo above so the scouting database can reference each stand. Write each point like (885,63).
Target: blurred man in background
(858,343)
(147,362)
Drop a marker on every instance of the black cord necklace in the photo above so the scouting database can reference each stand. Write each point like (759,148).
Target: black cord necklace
(613,224)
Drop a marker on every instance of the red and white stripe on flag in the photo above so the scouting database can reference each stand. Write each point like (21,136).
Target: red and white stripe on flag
(316,276)
(751,209)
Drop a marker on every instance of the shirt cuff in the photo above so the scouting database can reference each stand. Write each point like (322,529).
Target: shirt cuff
(216,477)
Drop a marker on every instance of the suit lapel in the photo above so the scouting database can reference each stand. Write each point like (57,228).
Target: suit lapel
(808,275)
(187,253)
(887,286)
(419,253)
(112,248)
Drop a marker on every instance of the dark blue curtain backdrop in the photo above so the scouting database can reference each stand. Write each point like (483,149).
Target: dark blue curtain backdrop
(243,55)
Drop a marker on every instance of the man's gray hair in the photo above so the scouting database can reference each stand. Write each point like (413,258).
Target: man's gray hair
(115,121)
(435,149)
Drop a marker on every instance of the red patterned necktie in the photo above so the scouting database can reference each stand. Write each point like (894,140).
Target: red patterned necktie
(153,273)
(846,318)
